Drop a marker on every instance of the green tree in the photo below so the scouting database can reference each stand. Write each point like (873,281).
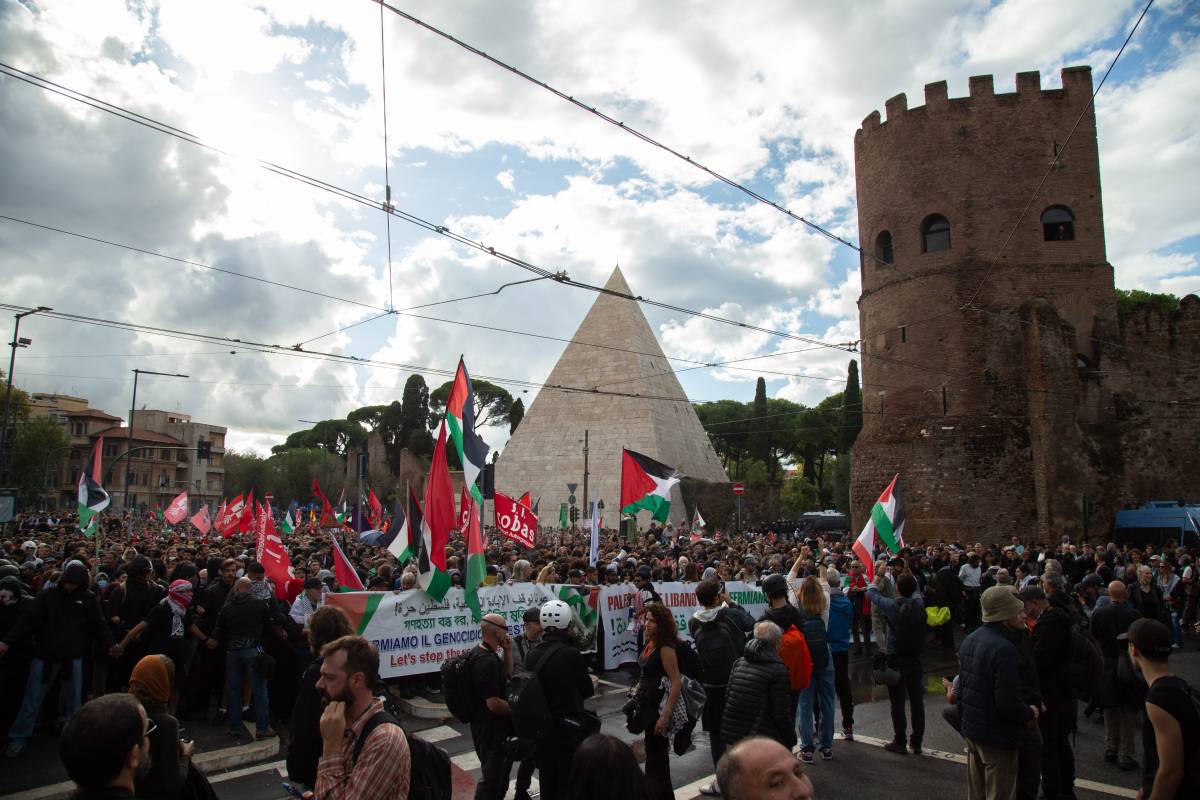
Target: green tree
(760,440)
(852,410)
(515,415)
(37,449)
(493,405)
(246,471)
(726,422)
(414,424)
(338,436)
(292,473)
(797,496)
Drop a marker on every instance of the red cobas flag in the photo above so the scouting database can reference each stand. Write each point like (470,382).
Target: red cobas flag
(274,557)
(246,518)
(227,520)
(177,510)
(201,521)
(515,521)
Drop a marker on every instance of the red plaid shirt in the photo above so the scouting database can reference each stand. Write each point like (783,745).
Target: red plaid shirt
(382,771)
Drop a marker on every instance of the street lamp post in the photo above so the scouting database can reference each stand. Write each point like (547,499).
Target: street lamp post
(12,361)
(129,445)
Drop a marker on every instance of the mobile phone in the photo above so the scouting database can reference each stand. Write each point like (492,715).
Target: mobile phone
(292,790)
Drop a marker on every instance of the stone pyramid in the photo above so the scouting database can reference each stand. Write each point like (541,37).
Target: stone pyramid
(546,452)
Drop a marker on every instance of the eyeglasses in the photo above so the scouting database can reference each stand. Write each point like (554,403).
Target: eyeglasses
(151,727)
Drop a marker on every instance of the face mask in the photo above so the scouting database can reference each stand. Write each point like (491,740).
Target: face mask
(101,585)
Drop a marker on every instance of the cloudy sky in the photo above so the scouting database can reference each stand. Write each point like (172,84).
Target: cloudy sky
(768,93)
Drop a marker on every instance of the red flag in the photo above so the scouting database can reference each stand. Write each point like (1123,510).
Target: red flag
(261,514)
(201,521)
(177,510)
(327,518)
(464,512)
(375,515)
(274,558)
(525,501)
(343,574)
(515,521)
(227,522)
(96,459)
(246,518)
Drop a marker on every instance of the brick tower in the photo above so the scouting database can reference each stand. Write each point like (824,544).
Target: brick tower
(978,370)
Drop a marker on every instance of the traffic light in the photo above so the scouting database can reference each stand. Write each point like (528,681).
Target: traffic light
(574,514)
(203,449)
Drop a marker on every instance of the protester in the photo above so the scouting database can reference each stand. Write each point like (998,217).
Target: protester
(760,768)
(151,682)
(604,768)
(327,624)
(105,747)
(718,630)
(1121,694)
(364,752)
(1053,620)
(491,668)
(758,701)
(531,636)
(841,620)
(1171,729)
(993,711)
(566,683)
(659,678)
(240,627)
(903,647)
(820,690)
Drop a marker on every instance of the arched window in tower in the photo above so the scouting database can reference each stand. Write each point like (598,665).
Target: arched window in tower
(935,234)
(1058,224)
(883,247)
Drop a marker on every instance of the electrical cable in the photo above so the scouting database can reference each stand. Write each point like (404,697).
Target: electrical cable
(387,182)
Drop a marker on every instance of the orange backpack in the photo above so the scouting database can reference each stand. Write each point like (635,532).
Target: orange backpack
(793,650)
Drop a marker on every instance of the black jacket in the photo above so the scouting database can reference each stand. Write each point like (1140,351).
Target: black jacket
(63,625)
(564,677)
(948,588)
(993,709)
(304,741)
(1108,623)
(785,617)
(757,700)
(1052,652)
(242,621)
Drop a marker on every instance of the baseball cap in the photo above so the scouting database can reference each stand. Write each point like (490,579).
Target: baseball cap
(1150,637)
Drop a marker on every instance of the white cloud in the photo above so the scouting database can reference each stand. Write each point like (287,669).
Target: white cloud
(505,179)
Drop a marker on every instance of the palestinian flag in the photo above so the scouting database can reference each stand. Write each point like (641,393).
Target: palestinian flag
(92,500)
(404,528)
(343,574)
(562,516)
(886,526)
(439,520)
(698,522)
(289,521)
(476,562)
(646,484)
(460,416)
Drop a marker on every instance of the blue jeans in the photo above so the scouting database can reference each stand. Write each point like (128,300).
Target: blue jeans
(238,664)
(820,687)
(41,676)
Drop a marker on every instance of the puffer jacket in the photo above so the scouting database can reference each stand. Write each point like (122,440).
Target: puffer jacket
(840,612)
(757,701)
(1052,651)
(993,710)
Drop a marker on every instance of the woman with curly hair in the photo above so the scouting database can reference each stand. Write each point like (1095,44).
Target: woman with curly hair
(658,661)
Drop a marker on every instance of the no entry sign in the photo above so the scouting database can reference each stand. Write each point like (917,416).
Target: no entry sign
(739,488)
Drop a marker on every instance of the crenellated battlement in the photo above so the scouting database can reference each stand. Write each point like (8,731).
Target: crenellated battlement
(1076,82)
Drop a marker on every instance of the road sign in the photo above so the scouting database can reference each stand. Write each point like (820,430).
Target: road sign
(571,499)
(739,488)
(571,489)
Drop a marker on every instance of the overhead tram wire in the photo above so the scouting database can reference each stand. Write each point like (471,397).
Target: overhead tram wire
(432,227)
(627,128)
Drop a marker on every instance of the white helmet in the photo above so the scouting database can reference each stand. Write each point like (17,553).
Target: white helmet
(555,615)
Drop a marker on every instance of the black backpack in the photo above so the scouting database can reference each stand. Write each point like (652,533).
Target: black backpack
(429,765)
(718,645)
(530,710)
(458,686)
(816,636)
(1086,667)
(910,628)
(689,662)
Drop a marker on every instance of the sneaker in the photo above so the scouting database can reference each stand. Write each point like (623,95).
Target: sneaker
(915,746)
(896,747)
(711,790)
(1110,756)
(806,756)
(827,753)
(267,733)
(221,718)
(14,749)
(848,734)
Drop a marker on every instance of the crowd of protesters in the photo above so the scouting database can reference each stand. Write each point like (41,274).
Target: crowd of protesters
(193,630)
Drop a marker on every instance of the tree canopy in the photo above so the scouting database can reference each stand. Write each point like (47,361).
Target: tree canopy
(493,404)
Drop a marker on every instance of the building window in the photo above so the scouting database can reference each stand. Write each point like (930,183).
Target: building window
(110,450)
(1058,224)
(883,247)
(935,234)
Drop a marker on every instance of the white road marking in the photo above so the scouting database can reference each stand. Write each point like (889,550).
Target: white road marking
(466,761)
(252,770)
(439,734)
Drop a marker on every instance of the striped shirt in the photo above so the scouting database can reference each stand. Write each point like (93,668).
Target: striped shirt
(382,771)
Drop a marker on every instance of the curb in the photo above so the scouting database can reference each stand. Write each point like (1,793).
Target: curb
(210,762)
(421,708)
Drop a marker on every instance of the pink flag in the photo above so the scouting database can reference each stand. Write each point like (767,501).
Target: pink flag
(201,521)
(177,510)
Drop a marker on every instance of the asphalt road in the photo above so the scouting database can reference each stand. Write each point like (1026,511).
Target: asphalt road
(859,769)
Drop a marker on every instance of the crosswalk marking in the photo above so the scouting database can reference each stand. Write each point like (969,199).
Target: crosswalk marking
(435,735)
